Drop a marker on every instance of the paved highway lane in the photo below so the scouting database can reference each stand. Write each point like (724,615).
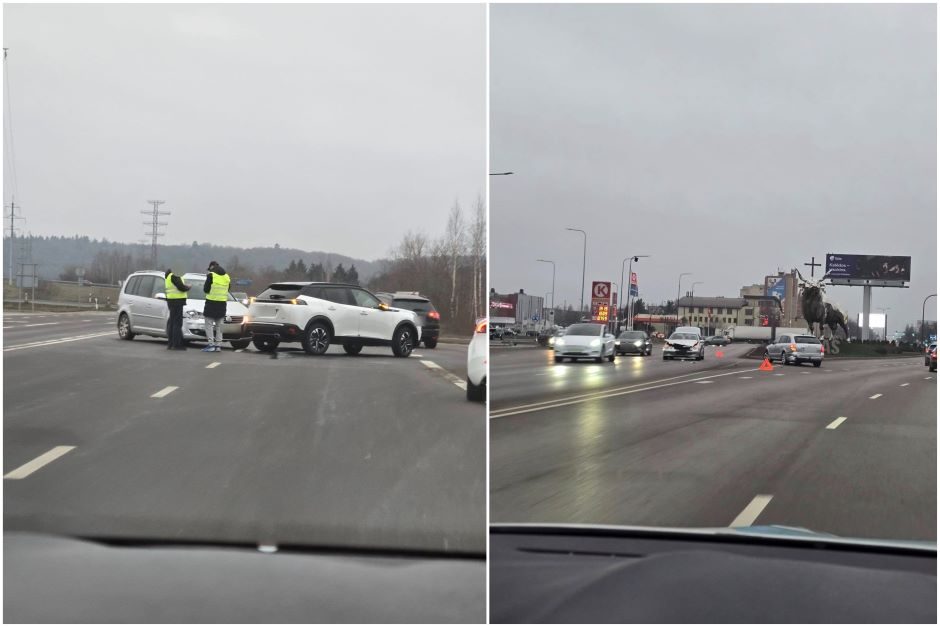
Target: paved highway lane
(730,444)
(523,375)
(368,450)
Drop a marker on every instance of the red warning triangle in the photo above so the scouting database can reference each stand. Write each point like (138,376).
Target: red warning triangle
(766,366)
(718,353)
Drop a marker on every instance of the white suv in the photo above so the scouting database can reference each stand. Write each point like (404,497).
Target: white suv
(320,314)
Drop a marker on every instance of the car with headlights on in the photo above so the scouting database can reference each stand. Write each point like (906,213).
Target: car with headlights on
(635,342)
(585,340)
(477,353)
(684,345)
(142,309)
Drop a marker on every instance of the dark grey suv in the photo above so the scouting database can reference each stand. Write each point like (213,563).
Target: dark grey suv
(428,316)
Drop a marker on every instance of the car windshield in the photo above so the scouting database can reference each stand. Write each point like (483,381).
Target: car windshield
(585,329)
(195,288)
(633,335)
(420,306)
(806,339)
(833,429)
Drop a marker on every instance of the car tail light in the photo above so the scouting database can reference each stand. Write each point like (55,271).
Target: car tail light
(822,349)
(481,327)
(433,315)
(792,348)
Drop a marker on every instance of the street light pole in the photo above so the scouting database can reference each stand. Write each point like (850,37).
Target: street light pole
(678,292)
(885,311)
(632,258)
(692,298)
(583,264)
(923,313)
(553,279)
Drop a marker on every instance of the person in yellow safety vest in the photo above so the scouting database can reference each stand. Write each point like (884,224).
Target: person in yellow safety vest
(175,291)
(216,289)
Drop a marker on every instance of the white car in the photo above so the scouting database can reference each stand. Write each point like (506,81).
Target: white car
(585,340)
(142,309)
(684,345)
(476,362)
(320,314)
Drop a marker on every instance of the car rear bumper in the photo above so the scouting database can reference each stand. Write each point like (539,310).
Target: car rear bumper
(277,330)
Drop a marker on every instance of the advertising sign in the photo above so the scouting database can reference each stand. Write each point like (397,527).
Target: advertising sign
(502,310)
(634,286)
(600,301)
(882,267)
(875,320)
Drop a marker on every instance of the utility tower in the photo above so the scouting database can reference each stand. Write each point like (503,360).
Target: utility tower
(13,217)
(155,224)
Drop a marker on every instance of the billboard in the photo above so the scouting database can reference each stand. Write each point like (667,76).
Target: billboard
(502,309)
(862,267)
(600,301)
(875,320)
(634,286)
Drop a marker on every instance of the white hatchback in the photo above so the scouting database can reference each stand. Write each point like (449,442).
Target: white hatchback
(476,362)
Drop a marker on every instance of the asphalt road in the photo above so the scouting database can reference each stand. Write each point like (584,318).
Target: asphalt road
(370,450)
(715,443)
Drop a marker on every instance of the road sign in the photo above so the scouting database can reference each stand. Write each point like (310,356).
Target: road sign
(600,301)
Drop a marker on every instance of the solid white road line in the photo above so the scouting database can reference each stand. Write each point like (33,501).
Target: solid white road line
(214,364)
(838,421)
(747,517)
(874,397)
(30,467)
(53,342)
(26,326)
(164,391)
(904,385)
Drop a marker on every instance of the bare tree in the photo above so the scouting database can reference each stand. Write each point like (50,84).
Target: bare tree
(454,246)
(478,254)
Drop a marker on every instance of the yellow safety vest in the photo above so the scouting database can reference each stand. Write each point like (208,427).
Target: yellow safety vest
(171,291)
(219,288)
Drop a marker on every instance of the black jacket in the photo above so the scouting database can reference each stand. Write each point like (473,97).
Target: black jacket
(213,308)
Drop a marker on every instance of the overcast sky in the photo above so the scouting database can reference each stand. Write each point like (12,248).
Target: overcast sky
(727,141)
(334,128)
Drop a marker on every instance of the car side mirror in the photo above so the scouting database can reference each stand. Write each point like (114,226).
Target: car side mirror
(382,307)
(160,295)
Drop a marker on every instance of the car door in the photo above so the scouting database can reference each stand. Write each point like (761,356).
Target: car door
(341,310)
(374,323)
(150,309)
(131,300)
(780,346)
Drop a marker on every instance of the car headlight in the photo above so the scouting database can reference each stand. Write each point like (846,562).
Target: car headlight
(638,343)
(560,341)
(551,341)
(193,314)
(616,342)
(596,341)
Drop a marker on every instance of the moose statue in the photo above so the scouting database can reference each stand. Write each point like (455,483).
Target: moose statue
(817,312)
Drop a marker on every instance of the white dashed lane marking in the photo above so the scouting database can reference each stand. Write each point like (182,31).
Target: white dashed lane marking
(904,385)
(167,390)
(214,364)
(745,377)
(32,466)
(704,381)
(874,397)
(447,375)
(750,513)
(838,421)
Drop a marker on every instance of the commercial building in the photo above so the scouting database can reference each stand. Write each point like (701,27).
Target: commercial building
(712,313)
(517,309)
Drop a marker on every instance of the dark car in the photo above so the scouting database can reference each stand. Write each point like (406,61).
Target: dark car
(930,347)
(717,340)
(637,342)
(428,316)
(932,359)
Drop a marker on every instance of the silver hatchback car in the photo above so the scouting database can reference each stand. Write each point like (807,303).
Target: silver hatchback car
(142,309)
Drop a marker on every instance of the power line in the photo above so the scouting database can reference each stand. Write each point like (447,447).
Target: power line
(9,111)
(155,225)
